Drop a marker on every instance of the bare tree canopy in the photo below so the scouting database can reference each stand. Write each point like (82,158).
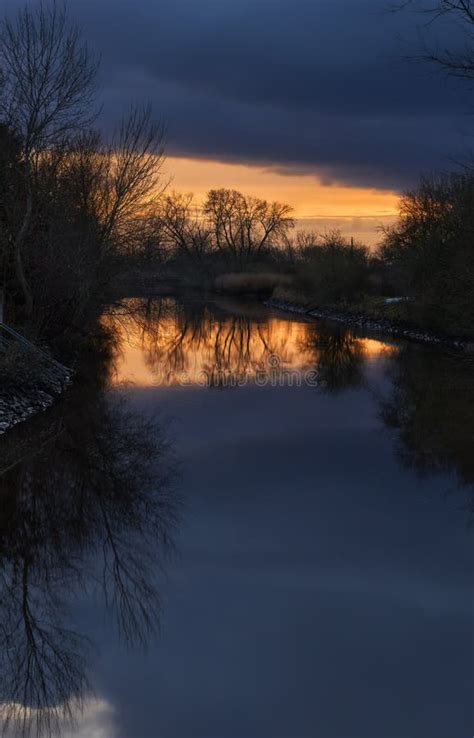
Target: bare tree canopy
(456,58)
(245,225)
(182,227)
(229,225)
(79,197)
(48,95)
(131,185)
(49,76)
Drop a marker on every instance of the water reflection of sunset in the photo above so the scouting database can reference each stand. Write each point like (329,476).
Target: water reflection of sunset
(161,345)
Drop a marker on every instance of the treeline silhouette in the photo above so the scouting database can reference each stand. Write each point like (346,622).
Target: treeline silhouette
(78,208)
(71,201)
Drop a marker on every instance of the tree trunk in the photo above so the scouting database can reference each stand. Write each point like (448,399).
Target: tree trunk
(18,246)
(25,287)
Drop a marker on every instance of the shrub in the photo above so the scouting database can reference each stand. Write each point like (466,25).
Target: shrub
(238,283)
(334,269)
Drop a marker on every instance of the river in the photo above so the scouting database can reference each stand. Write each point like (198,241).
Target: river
(241,524)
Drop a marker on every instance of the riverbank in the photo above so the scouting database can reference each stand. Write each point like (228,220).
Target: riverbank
(378,315)
(380,325)
(30,383)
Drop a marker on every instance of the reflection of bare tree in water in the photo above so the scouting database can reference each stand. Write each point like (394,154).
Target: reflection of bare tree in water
(233,354)
(100,489)
(172,334)
(150,319)
(43,662)
(431,408)
(339,356)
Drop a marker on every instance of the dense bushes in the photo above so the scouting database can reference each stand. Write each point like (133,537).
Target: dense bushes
(427,256)
(333,268)
(432,249)
(243,283)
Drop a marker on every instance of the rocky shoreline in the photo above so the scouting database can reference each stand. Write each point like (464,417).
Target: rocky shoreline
(382,326)
(19,402)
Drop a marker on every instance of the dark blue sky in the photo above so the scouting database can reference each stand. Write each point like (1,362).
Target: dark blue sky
(301,85)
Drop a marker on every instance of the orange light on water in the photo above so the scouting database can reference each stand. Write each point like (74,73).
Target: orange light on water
(163,349)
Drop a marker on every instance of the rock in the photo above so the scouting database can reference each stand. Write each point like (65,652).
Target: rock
(381,326)
(20,403)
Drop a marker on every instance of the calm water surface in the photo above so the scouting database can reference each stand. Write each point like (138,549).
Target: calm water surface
(241,525)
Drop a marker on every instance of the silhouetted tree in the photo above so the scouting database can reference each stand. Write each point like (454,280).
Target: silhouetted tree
(80,200)
(456,59)
(183,230)
(432,246)
(130,185)
(11,194)
(48,95)
(245,226)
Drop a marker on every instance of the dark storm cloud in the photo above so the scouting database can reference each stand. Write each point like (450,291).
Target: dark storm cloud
(304,86)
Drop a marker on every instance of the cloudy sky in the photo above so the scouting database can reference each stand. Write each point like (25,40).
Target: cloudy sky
(309,101)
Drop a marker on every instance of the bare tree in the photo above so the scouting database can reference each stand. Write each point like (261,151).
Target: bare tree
(43,662)
(431,249)
(457,61)
(245,226)
(183,227)
(48,95)
(131,184)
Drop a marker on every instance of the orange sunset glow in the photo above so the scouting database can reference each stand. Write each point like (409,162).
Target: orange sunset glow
(317,205)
